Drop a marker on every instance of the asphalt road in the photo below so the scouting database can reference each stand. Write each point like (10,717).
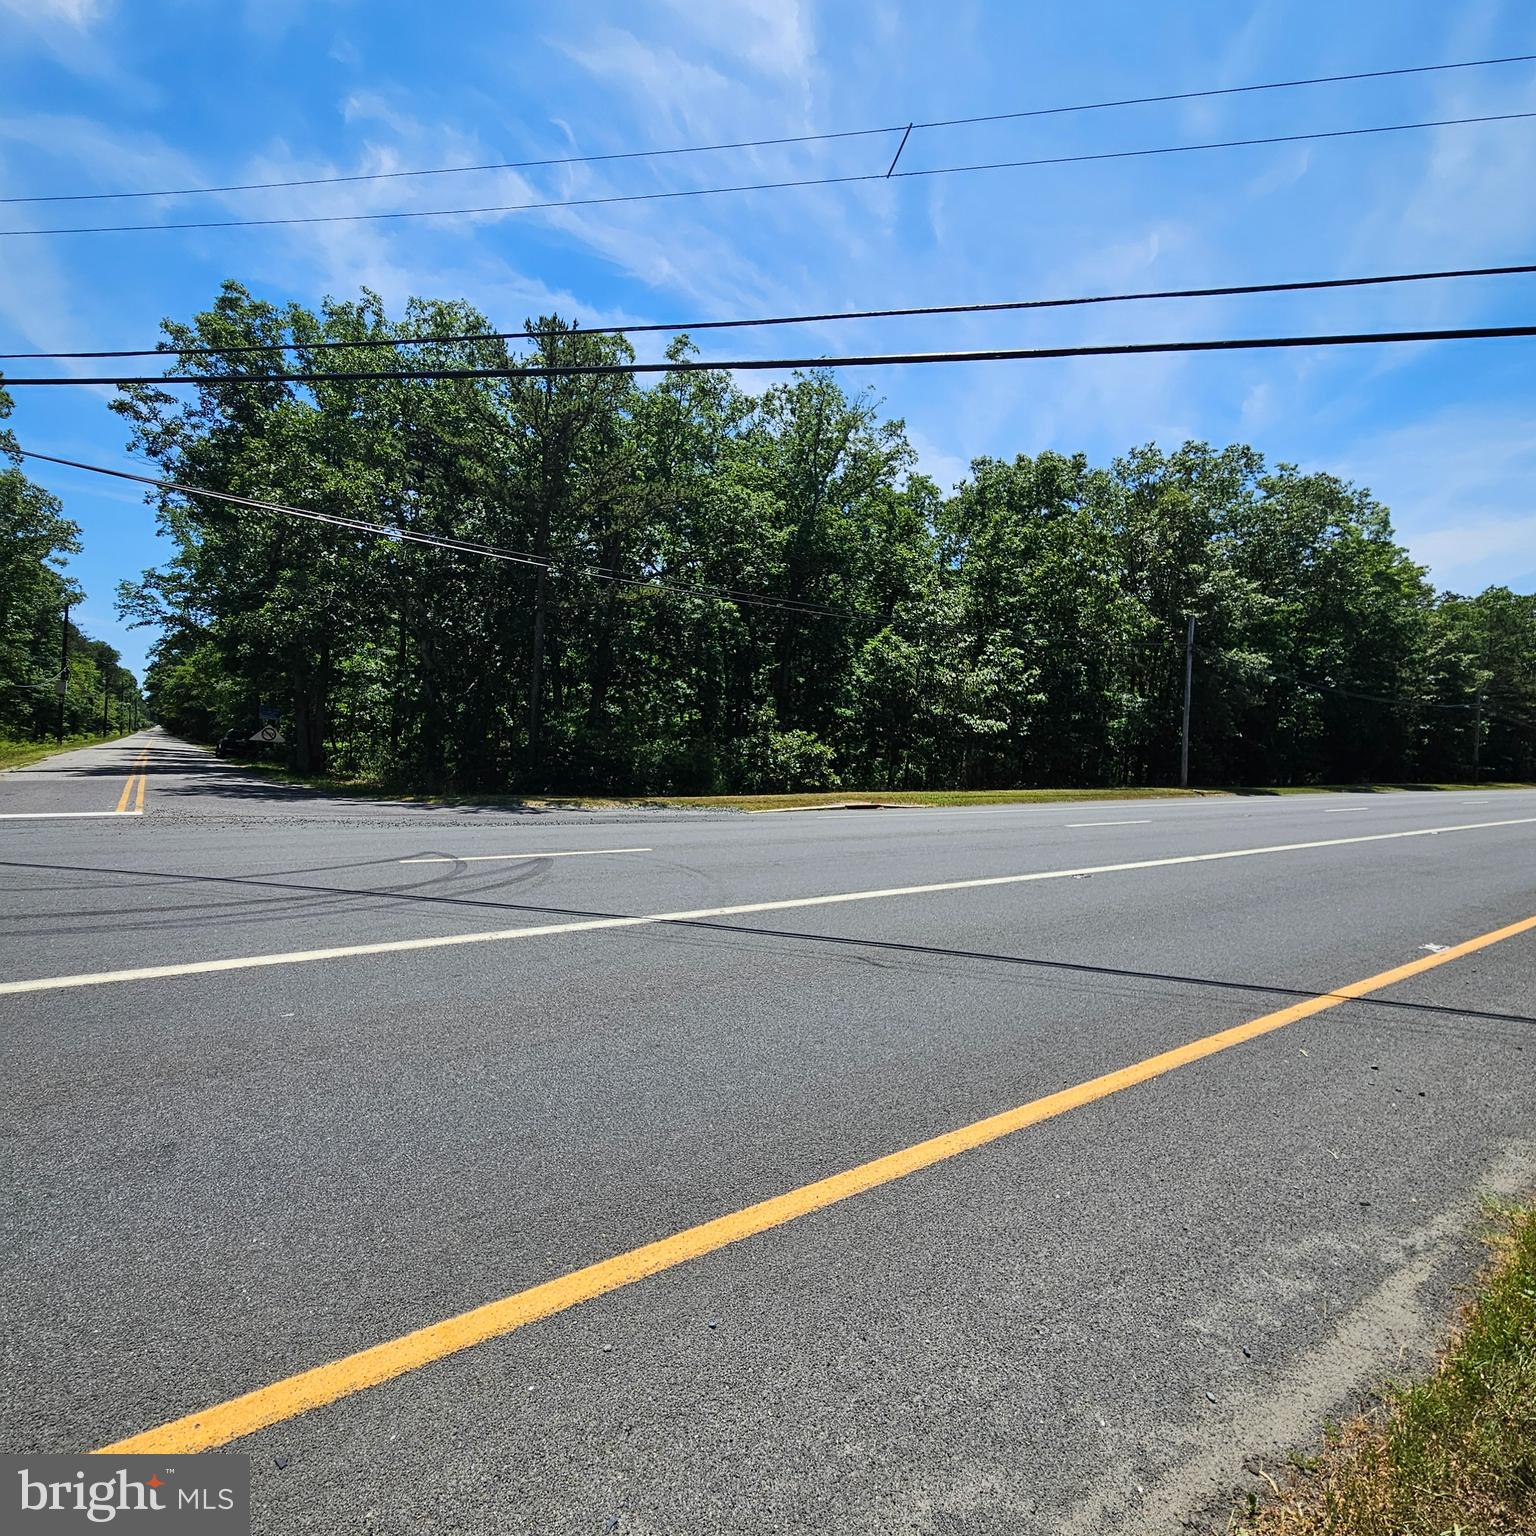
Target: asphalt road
(439,1063)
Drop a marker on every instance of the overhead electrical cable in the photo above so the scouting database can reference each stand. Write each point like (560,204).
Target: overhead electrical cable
(1231,290)
(798,138)
(767,186)
(770,364)
(467,546)
(551,563)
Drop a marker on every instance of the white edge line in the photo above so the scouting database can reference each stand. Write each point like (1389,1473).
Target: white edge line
(59,815)
(488,858)
(592,925)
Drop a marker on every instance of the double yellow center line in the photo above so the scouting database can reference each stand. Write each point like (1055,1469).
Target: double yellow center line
(133,790)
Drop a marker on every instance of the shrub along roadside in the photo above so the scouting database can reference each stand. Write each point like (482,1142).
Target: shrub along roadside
(1454,1453)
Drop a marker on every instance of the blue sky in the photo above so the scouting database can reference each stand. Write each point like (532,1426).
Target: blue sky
(99,95)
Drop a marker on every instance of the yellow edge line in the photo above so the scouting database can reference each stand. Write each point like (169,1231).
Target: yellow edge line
(311,1389)
(135,773)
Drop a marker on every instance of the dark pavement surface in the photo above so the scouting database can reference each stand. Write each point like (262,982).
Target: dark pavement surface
(219,1179)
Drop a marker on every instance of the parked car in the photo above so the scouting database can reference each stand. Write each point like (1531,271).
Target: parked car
(238,743)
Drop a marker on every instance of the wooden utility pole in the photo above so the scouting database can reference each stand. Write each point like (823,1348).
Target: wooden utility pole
(63,670)
(1477,715)
(536,671)
(1189,675)
(541,580)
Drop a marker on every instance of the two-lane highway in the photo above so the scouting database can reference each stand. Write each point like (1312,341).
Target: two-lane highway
(1008,1169)
(105,780)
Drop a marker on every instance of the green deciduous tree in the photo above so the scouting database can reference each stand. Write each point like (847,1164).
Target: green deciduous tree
(690,587)
(36,540)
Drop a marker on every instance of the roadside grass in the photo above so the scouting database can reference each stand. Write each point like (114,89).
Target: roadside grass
(17,754)
(1453,1455)
(814,799)
(810,800)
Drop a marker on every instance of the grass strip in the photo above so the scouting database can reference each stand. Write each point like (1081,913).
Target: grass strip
(17,754)
(363,788)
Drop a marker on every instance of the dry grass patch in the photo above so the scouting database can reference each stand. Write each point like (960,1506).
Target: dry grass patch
(1454,1455)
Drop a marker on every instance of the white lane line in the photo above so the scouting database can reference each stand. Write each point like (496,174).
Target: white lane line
(1140,821)
(490,858)
(1349,810)
(59,815)
(592,925)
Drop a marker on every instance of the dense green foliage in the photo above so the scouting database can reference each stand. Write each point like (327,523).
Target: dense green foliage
(1026,628)
(100,695)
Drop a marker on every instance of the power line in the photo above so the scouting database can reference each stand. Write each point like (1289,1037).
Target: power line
(771,364)
(490,551)
(998,307)
(799,138)
(724,594)
(765,186)
(465,546)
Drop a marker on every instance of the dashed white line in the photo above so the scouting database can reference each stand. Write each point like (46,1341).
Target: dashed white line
(596,924)
(1140,821)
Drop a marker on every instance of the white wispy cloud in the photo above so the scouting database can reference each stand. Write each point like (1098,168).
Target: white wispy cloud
(772,37)
(1459,483)
(610,77)
(78,14)
(686,96)
(41,298)
(73,35)
(111,157)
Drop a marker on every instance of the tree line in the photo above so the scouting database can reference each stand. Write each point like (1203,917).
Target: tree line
(39,644)
(698,588)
